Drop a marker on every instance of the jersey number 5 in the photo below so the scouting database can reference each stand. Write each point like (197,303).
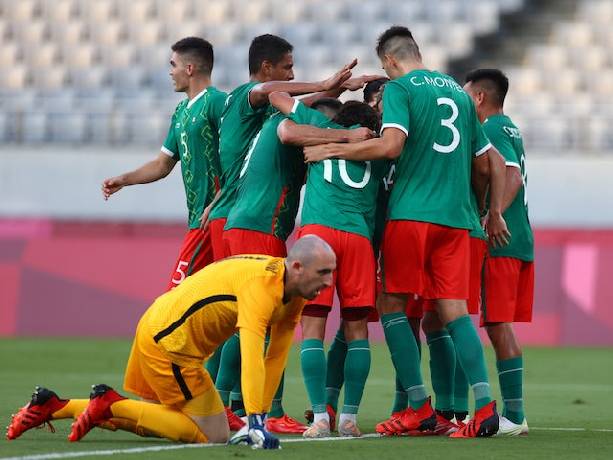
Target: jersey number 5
(448,123)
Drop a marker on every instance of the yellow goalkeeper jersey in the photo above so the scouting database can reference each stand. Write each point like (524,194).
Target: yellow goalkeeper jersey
(243,293)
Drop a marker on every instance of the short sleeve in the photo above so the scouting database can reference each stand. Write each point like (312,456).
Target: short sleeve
(170,146)
(395,107)
(216,108)
(304,115)
(502,142)
(480,141)
(244,106)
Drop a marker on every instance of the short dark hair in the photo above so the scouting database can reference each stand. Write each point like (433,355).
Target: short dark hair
(358,113)
(267,47)
(494,81)
(328,104)
(373,87)
(198,50)
(398,41)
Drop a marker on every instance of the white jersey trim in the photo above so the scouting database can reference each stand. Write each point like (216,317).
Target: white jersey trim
(168,152)
(196,97)
(295,106)
(478,153)
(512,164)
(395,125)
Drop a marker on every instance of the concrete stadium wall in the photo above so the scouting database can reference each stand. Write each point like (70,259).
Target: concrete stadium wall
(564,190)
(76,278)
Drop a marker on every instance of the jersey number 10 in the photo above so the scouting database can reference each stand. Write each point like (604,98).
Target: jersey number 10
(342,169)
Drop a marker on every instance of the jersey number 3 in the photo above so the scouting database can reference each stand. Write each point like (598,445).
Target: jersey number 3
(448,123)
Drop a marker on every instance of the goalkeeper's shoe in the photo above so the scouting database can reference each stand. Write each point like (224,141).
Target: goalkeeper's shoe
(309,416)
(285,425)
(97,412)
(483,424)
(234,421)
(508,428)
(37,412)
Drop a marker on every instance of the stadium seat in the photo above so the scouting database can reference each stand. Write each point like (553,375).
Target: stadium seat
(92,78)
(69,32)
(9,53)
(106,34)
(14,77)
(34,127)
(22,10)
(50,79)
(67,127)
(78,56)
(212,11)
(43,56)
(59,11)
(146,34)
(31,34)
(175,11)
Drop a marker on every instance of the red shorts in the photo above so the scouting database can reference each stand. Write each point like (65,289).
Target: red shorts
(196,253)
(354,278)
(426,259)
(509,290)
(478,252)
(216,228)
(241,241)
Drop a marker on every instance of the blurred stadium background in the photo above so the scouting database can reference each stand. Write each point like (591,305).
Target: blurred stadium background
(85,94)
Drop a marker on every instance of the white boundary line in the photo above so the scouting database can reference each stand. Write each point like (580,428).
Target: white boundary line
(161,448)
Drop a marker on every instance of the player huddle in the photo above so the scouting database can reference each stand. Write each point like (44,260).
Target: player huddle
(414,212)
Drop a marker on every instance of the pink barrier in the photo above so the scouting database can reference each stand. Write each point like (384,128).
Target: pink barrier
(95,279)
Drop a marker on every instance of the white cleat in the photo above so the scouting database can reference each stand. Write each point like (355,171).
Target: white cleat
(507,428)
(320,429)
(349,429)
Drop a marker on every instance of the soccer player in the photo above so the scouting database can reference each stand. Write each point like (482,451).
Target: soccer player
(185,326)
(247,107)
(431,128)
(339,206)
(193,140)
(509,270)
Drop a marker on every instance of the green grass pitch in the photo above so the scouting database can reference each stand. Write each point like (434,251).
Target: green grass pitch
(568,393)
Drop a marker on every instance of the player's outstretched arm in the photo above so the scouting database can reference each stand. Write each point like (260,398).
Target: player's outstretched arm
(304,135)
(388,146)
(151,171)
(258,96)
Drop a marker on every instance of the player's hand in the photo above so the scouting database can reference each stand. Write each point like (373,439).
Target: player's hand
(336,80)
(204,219)
(321,152)
(360,134)
(497,231)
(355,83)
(110,186)
(255,434)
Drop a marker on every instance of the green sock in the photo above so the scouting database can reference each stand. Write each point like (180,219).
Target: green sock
(229,368)
(405,356)
(212,364)
(313,362)
(357,367)
(335,368)
(401,398)
(277,402)
(470,354)
(460,391)
(442,368)
(510,374)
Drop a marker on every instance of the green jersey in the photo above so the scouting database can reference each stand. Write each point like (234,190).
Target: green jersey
(383,196)
(443,134)
(340,194)
(239,124)
(269,186)
(193,139)
(505,136)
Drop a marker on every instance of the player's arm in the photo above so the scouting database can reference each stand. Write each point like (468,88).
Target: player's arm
(204,219)
(151,171)
(388,146)
(495,224)
(352,84)
(304,135)
(281,336)
(513,183)
(258,96)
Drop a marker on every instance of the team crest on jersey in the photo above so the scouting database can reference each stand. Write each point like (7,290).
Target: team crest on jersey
(273,266)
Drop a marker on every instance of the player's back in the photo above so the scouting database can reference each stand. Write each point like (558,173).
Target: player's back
(191,320)
(433,172)
(269,185)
